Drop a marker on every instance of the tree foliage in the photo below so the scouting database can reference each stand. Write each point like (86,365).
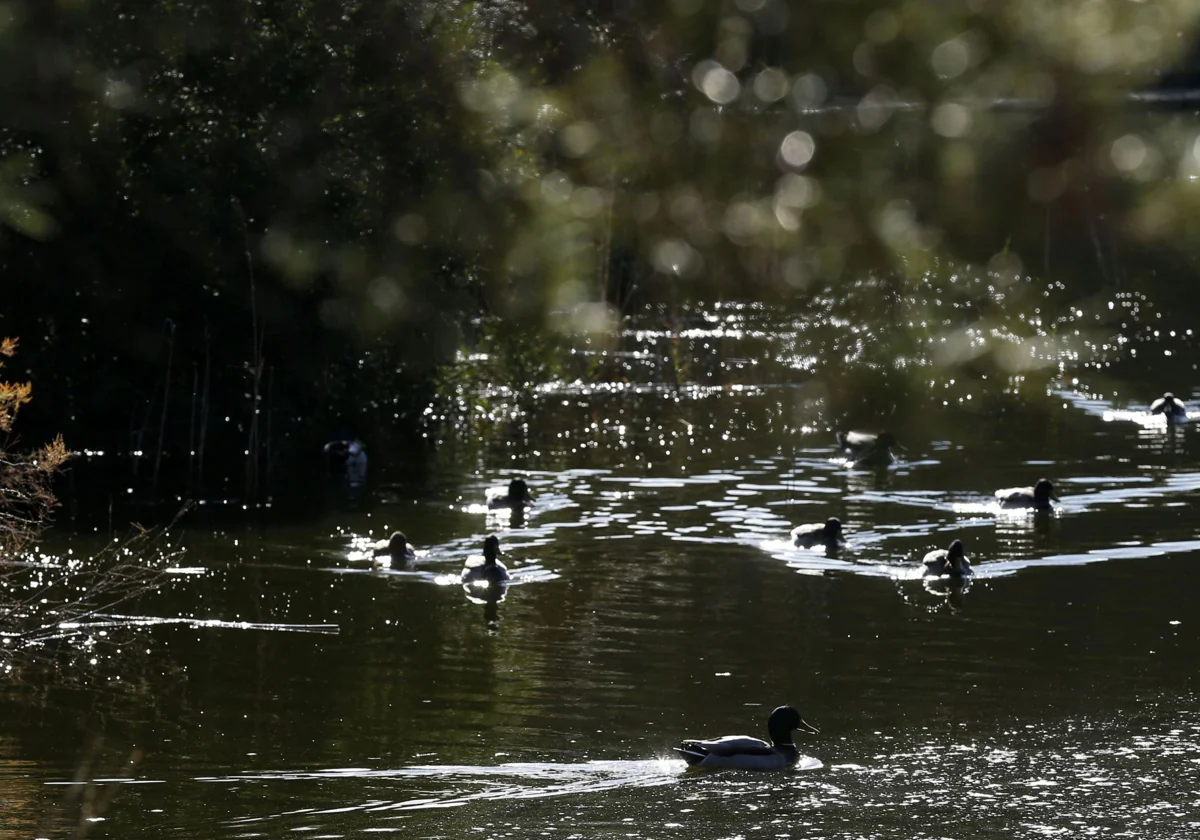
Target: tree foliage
(212,211)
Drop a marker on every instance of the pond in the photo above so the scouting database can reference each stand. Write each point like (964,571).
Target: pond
(277,686)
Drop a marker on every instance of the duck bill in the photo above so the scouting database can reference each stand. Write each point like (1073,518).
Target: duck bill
(808,727)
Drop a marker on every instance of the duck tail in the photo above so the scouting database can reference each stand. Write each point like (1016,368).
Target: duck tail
(692,752)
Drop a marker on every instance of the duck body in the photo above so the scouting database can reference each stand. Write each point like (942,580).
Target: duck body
(828,535)
(347,458)
(491,571)
(1170,407)
(739,752)
(742,752)
(396,548)
(1037,497)
(866,449)
(336,452)
(356,463)
(948,562)
(513,497)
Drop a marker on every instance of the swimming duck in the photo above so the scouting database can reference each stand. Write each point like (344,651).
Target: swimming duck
(336,452)
(742,752)
(865,449)
(1037,497)
(828,535)
(491,570)
(515,496)
(948,562)
(1167,405)
(348,458)
(396,548)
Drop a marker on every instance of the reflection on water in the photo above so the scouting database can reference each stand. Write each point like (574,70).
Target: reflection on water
(655,591)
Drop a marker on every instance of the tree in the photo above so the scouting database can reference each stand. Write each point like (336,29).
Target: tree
(225,215)
(26,495)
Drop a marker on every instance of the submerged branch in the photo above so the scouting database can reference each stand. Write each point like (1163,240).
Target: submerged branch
(49,599)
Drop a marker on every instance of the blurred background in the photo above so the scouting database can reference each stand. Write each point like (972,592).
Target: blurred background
(231,233)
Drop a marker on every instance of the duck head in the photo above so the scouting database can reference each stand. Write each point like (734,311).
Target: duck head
(491,550)
(785,720)
(956,554)
(833,527)
(886,440)
(398,545)
(1043,492)
(518,492)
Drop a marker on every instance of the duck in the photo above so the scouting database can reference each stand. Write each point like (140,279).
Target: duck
(948,562)
(396,548)
(336,452)
(828,535)
(865,449)
(1170,407)
(515,496)
(491,570)
(742,752)
(356,463)
(1037,497)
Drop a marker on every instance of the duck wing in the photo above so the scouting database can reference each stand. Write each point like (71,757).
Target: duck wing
(808,534)
(865,449)
(856,440)
(811,536)
(727,745)
(1171,407)
(482,573)
(935,562)
(1015,495)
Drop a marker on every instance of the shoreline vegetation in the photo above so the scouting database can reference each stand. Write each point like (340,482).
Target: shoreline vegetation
(46,600)
(26,478)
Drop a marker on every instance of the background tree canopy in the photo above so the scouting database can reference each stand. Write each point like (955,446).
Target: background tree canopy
(224,224)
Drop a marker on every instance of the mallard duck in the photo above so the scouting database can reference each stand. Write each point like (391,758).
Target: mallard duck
(1037,497)
(745,753)
(865,449)
(356,463)
(515,496)
(828,535)
(336,452)
(1171,408)
(396,548)
(948,562)
(491,570)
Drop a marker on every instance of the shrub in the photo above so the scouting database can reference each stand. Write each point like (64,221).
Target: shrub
(26,493)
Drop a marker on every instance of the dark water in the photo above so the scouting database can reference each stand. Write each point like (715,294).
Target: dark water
(284,688)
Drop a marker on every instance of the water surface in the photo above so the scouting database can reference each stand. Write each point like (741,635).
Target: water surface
(281,686)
